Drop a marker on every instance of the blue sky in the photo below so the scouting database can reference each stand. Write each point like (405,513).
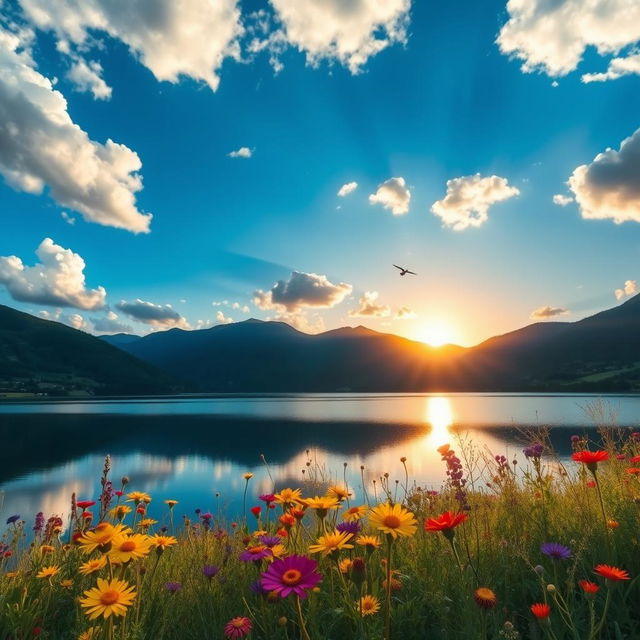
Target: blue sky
(442,100)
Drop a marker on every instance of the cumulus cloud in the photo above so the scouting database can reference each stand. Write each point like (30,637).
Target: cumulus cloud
(111,323)
(156,315)
(348,188)
(562,200)
(170,37)
(369,307)
(73,320)
(40,146)
(334,30)
(630,288)
(543,313)
(609,187)
(552,35)
(392,194)
(404,313)
(300,291)
(618,67)
(57,280)
(86,76)
(468,199)
(222,319)
(242,152)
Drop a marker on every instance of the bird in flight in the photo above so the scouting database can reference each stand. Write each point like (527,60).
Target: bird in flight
(403,271)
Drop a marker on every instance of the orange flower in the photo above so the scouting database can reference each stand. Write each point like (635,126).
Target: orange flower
(540,610)
(485,597)
(445,523)
(287,520)
(611,573)
(633,470)
(613,524)
(588,587)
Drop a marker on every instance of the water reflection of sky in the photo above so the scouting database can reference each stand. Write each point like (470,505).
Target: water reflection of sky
(186,463)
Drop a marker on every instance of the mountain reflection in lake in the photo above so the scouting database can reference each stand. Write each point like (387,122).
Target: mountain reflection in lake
(195,450)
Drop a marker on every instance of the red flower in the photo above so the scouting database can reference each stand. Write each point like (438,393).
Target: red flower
(591,484)
(633,470)
(256,511)
(446,522)
(611,573)
(87,515)
(588,586)
(634,459)
(590,458)
(540,610)
(85,504)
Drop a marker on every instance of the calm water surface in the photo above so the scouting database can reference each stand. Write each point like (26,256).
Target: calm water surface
(195,450)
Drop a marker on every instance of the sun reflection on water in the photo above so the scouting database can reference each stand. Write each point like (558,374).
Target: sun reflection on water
(440,418)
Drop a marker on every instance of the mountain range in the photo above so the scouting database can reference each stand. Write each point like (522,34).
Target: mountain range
(597,354)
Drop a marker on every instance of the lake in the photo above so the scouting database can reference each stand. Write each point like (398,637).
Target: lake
(196,449)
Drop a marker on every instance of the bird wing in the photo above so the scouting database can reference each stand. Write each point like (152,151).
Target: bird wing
(413,273)
(397,267)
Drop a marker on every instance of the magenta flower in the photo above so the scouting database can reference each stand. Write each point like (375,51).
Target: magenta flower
(267,497)
(255,554)
(237,627)
(294,574)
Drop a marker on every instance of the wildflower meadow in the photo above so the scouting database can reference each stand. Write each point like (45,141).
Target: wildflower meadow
(502,550)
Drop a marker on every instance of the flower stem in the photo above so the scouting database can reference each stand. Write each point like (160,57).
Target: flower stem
(387,621)
(303,628)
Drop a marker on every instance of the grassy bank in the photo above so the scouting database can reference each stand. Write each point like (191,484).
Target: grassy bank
(503,550)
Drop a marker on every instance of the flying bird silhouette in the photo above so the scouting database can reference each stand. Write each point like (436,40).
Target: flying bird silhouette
(403,271)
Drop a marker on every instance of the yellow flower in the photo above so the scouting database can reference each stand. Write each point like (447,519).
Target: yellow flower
(48,572)
(139,496)
(92,566)
(67,584)
(288,496)
(355,513)
(321,503)
(278,550)
(331,542)
(12,574)
(261,532)
(371,542)
(171,503)
(161,542)
(368,605)
(394,520)
(340,493)
(110,597)
(120,511)
(90,634)
(248,476)
(102,537)
(344,565)
(147,522)
(130,548)
(46,548)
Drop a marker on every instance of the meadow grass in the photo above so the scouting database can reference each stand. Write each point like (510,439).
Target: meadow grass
(466,561)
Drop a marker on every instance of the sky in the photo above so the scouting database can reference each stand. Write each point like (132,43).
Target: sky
(187,163)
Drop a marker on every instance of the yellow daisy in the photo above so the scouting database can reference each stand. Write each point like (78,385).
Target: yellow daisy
(340,493)
(139,496)
(331,542)
(344,565)
(91,566)
(130,547)
(394,520)
(368,605)
(66,584)
(120,511)
(145,523)
(355,513)
(162,542)
(288,496)
(110,597)
(370,542)
(321,503)
(46,548)
(48,572)
(171,503)
(102,537)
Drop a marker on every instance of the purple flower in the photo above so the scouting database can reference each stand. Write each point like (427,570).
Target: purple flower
(270,541)
(534,450)
(256,554)
(294,574)
(555,550)
(267,497)
(256,587)
(13,519)
(206,516)
(39,523)
(210,571)
(349,527)
(173,587)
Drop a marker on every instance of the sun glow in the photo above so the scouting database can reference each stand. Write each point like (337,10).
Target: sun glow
(440,417)
(436,334)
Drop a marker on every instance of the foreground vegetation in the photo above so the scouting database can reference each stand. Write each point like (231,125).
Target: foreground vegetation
(503,550)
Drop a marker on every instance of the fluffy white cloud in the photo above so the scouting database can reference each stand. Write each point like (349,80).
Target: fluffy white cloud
(302,290)
(349,32)
(543,313)
(67,218)
(609,187)
(86,76)
(348,188)
(405,313)
(630,288)
(369,307)
(562,200)
(110,324)
(392,194)
(170,37)
(552,35)
(222,319)
(41,146)
(618,67)
(73,320)
(468,200)
(57,280)
(156,315)
(242,152)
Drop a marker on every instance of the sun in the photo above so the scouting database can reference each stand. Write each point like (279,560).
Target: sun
(435,334)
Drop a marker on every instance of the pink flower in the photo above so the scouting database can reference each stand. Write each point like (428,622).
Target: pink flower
(294,574)
(237,627)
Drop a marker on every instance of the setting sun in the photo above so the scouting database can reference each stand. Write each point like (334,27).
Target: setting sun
(435,334)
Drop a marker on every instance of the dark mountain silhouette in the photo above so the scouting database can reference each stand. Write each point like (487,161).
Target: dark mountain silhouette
(42,356)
